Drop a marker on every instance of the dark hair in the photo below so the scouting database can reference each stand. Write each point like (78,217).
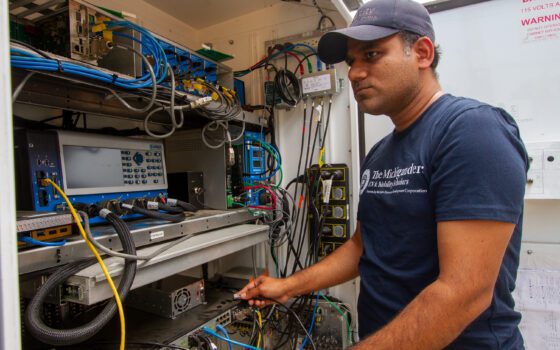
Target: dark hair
(410,38)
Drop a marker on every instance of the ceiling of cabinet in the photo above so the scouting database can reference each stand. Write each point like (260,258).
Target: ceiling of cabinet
(201,14)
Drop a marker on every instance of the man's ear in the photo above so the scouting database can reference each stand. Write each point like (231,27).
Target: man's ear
(424,50)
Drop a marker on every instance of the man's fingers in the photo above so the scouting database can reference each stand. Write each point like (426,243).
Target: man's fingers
(262,303)
(260,279)
(247,287)
(250,293)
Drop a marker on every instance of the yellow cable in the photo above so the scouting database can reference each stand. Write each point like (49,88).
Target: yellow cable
(260,328)
(97,256)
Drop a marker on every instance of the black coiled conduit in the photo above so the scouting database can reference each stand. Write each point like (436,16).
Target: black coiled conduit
(72,336)
(287,85)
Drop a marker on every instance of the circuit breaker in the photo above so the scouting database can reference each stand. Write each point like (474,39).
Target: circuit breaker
(543,178)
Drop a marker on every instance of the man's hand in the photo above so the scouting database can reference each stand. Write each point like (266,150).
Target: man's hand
(265,291)
(338,267)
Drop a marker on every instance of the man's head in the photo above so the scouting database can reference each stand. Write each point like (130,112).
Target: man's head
(377,19)
(390,50)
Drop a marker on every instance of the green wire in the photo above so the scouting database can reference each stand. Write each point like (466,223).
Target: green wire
(309,65)
(343,315)
(271,151)
(275,259)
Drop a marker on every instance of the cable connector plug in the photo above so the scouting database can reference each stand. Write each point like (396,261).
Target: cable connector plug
(230,157)
(98,28)
(150,205)
(203,101)
(104,212)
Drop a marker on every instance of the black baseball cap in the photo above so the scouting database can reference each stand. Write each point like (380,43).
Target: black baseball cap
(374,20)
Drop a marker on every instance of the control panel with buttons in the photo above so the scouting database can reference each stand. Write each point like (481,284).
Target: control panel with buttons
(90,169)
(147,167)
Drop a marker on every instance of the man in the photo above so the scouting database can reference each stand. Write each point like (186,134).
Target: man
(441,198)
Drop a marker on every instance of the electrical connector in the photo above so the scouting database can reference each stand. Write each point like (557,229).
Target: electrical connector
(98,27)
(108,37)
(230,160)
(201,102)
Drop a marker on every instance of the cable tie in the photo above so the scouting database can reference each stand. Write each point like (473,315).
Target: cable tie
(60,68)
(115,77)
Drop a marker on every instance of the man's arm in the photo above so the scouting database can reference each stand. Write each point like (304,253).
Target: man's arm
(470,256)
(340,266)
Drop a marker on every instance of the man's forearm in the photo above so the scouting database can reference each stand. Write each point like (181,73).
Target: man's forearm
(340,266)
(431,321)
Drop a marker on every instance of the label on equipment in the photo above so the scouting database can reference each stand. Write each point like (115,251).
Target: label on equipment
(152,205)
(316,83)
(156,235)
(318,113)
(327,185)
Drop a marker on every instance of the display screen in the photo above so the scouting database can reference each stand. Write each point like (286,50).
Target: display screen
(88,167)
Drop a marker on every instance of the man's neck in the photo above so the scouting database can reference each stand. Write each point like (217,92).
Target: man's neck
(424,99)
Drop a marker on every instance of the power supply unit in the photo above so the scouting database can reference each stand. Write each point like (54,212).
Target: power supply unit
(168,297)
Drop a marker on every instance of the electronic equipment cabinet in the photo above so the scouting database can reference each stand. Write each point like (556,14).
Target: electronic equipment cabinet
(77,36)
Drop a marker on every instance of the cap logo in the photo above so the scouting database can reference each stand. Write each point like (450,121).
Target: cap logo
(366,14)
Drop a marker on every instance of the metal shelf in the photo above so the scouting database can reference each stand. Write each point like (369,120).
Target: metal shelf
(144,232)
(92,285)
(66,92)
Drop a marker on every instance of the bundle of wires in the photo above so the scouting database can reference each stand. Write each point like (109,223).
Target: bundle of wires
(225,104)
(220,103)
(22,56)
(263,62)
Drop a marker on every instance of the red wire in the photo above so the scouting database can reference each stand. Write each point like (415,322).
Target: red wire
(272,194)
(301,70)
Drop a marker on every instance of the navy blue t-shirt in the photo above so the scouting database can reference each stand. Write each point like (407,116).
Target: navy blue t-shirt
(461,160)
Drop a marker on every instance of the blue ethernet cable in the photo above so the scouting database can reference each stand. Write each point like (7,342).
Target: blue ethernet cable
(29,240)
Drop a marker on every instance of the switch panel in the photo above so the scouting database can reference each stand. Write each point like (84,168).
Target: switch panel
(333,211)
(543,178)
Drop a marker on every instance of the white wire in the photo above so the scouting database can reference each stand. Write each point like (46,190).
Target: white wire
(147,128)
(214,126)
(152,76)
(20,86)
